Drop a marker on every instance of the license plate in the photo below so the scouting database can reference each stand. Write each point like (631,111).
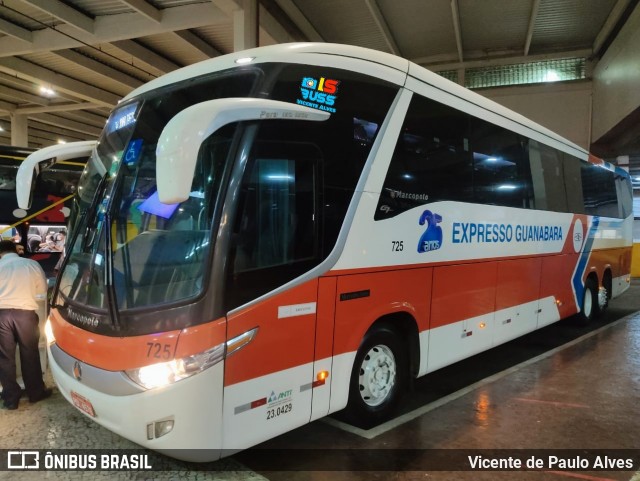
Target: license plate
(83,404)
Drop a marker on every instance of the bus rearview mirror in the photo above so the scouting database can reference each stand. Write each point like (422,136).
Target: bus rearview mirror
(25,178)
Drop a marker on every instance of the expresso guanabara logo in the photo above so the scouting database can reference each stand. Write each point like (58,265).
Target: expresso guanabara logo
(319,93)
(431,239)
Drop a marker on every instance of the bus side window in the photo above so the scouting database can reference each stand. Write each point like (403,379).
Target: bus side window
(431,161)
(275,237)
(548,177)
(599,191)
(573,184)
(625,195)
(500,166)
(8,177)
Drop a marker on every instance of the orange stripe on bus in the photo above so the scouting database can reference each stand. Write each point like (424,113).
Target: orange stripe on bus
(433,296)
(120,353)
(282,342)
(404,292)
(112,353)
(325,318)
(199,338)
(462,292)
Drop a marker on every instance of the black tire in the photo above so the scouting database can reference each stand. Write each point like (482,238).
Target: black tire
(378,377)
(590,308)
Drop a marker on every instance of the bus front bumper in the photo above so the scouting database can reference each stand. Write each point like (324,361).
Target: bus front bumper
(182,420)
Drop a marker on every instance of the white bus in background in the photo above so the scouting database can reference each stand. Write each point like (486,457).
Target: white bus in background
(271,236)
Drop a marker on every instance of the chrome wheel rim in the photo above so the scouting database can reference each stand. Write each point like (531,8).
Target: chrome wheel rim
(377,375)
(602,297)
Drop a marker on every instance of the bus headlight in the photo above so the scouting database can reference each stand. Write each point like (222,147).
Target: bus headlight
(48,333)
(165,373)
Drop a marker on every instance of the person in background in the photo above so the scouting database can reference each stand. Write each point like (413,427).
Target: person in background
(22,284)
(49,243)
(59,240)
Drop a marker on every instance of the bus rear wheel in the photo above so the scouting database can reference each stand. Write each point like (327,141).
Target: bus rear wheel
(378,376)
(590,301)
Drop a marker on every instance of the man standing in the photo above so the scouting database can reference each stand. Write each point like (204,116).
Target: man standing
(22,284)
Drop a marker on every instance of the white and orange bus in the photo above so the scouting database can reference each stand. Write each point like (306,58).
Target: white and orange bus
(267,237)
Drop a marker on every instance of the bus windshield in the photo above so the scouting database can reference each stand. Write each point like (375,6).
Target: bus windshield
(157,250)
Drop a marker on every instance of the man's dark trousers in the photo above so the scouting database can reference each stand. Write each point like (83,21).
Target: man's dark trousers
(19,326)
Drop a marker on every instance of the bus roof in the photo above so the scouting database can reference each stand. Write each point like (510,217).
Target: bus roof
(286,52)
(309,52)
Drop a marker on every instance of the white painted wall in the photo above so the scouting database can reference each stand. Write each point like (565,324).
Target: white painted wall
(564,108)
(616,79)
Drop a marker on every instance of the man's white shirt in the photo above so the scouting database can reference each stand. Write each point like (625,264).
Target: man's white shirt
(22,283)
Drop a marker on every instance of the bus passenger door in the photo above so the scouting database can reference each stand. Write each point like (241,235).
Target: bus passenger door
(268,385)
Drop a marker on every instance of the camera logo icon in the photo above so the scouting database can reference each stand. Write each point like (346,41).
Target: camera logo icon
(23,460)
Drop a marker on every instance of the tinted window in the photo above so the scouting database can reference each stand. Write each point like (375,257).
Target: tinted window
(59,182)
(277,221)
(500,165)
(275,237)
(431,161)
(547,176)
(573,183)
(625,194)
(8,177)
(599,191)
(445,154)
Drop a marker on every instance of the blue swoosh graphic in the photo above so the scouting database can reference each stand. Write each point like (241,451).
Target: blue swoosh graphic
(578,285)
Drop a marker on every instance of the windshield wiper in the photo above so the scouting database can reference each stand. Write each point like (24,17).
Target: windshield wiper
(92,224)
(112,301)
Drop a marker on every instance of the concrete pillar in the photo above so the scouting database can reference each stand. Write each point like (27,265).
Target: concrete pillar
(19,131)
(622,161)
(461,73)
(245,25)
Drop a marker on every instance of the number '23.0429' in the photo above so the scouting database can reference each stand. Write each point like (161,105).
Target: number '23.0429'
(274,412)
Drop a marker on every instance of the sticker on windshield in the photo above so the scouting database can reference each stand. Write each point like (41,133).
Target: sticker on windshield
(319,93)
(132,153)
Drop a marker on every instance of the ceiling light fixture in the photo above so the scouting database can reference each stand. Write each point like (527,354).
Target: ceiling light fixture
(47,91)
(551,76)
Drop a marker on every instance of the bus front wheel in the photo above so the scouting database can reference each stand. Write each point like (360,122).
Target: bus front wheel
(378,376)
